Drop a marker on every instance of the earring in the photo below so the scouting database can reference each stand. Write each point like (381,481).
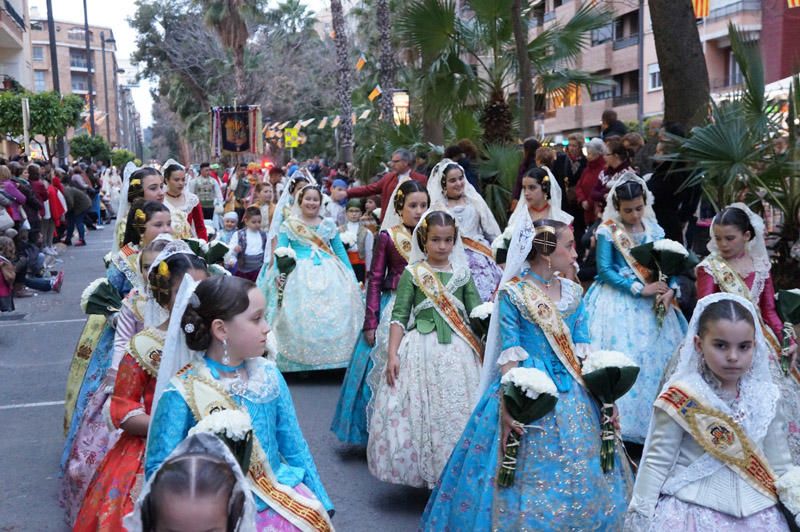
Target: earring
(549,263)
(225,358)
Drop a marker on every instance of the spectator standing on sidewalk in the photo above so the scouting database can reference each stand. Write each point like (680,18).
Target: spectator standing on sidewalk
(78,204)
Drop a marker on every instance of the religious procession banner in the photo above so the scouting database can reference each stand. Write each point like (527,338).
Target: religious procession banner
(236,129)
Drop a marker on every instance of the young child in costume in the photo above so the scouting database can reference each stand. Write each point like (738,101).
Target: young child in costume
(360,252)
(265,197)
(433,366)
(224,324)
(230,221)
(248,246)
(622,301)
(539,321)
(110,495)
(716,448)
(739,264)
(476,224)
(408,203)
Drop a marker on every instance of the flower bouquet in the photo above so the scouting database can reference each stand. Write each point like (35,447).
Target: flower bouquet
(608,375)
(212,252)
(285,260)
(100,298)
(666,258)
(348,239)
(479,319)
(234,428)
(789,309)
(528,395)
(500,245)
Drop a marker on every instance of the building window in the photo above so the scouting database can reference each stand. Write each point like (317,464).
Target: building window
(602,35)
(80,82)
(77,58)
(601,92)
(734,73)
(38,53)
(557,3)
(567,97)
(39,82)
(76,34)
(653,77)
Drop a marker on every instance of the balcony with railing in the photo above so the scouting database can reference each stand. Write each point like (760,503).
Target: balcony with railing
(549,15)
(78,63)
(729,10)
(625,42)
(626,99)
(14,14)
(12,26)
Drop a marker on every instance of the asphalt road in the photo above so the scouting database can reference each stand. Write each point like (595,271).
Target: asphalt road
(35,353)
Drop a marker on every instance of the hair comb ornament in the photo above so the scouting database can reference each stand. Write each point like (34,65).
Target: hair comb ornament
(163,269)
(136,182)
(139,216)
(188,328)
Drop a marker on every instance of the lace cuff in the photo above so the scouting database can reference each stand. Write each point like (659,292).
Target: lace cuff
(583,350)
(635,522)
(636,288)
(133,413)
(512,354)
(396,322)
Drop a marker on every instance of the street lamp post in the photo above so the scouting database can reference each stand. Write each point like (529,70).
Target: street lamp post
(89,66)
(103,42)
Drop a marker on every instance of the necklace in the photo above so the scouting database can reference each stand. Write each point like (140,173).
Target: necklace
(541,279)
(173,195)
(216,367)
(534,209)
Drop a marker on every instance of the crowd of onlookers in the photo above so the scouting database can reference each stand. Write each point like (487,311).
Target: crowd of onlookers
(41,209)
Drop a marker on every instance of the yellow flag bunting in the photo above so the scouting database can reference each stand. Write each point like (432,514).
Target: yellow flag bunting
(377,91)
(362,60)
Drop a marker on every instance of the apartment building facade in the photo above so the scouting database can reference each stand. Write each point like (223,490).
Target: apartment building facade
(15,58)
(624,52)
(76,68)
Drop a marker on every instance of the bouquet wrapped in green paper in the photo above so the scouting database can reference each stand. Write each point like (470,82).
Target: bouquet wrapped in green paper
(100,298)
(285,261)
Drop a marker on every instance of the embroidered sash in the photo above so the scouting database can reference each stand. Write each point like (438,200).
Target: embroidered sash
(443,301)
(623,243)
(720,436)
(402,240)
(308,236)
(477,247)
(146,348)
(205,396)
(729,281)
(127,261)
(541,309)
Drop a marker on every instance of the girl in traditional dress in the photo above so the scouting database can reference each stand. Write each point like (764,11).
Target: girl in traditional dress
(88,436)
(739,264)
(542,198)
(717,443)
(224,322)
(390,257)
(433,365)
(621,302)
(200,486)
(187,213)
(476,224)
(113,490)
(318,324)
(559,482)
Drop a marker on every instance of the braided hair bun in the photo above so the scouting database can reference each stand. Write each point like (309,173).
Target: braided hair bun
(220,297)
(545,239)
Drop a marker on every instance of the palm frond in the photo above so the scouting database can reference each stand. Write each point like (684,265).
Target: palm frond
(563,43)
(428,26)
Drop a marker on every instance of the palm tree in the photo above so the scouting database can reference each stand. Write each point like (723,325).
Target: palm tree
(343,85)
(228,18)
(387,64)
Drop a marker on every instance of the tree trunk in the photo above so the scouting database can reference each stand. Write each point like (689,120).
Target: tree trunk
(386,75)
(520,29)
(681,61)
(238,68)
(343,86)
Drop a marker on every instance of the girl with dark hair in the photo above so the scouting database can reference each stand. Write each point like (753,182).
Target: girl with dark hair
(541,198)
(311,335)
(716,449)
(224,322)
(187,213)
(539,321)
(622,301)
(429,383)
(739,264)
(477,227)
(110,496)
(529,148)
(390,257)
(200,486)
(146,220)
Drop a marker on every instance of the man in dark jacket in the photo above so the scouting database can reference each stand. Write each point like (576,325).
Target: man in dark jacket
(610,126)
(78,204)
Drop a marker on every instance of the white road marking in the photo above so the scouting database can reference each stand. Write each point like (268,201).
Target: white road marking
(23,322)
(30,405)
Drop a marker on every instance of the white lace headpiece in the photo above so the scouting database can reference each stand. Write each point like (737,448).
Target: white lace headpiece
(611,213)
(758,396)
(556,213)
(516,261)
(155,314)
(170,162)
(284,205)
(391,217)
(757,247)
(123,206)
(458,257)
(208,444)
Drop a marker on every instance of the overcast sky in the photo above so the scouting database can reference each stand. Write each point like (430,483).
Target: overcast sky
(113,14)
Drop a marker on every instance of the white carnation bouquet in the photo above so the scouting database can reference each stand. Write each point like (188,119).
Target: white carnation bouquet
(348,239)
(285,261)
(100,297)
(479,318)
(234,428)
(608,375)
(528,394)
